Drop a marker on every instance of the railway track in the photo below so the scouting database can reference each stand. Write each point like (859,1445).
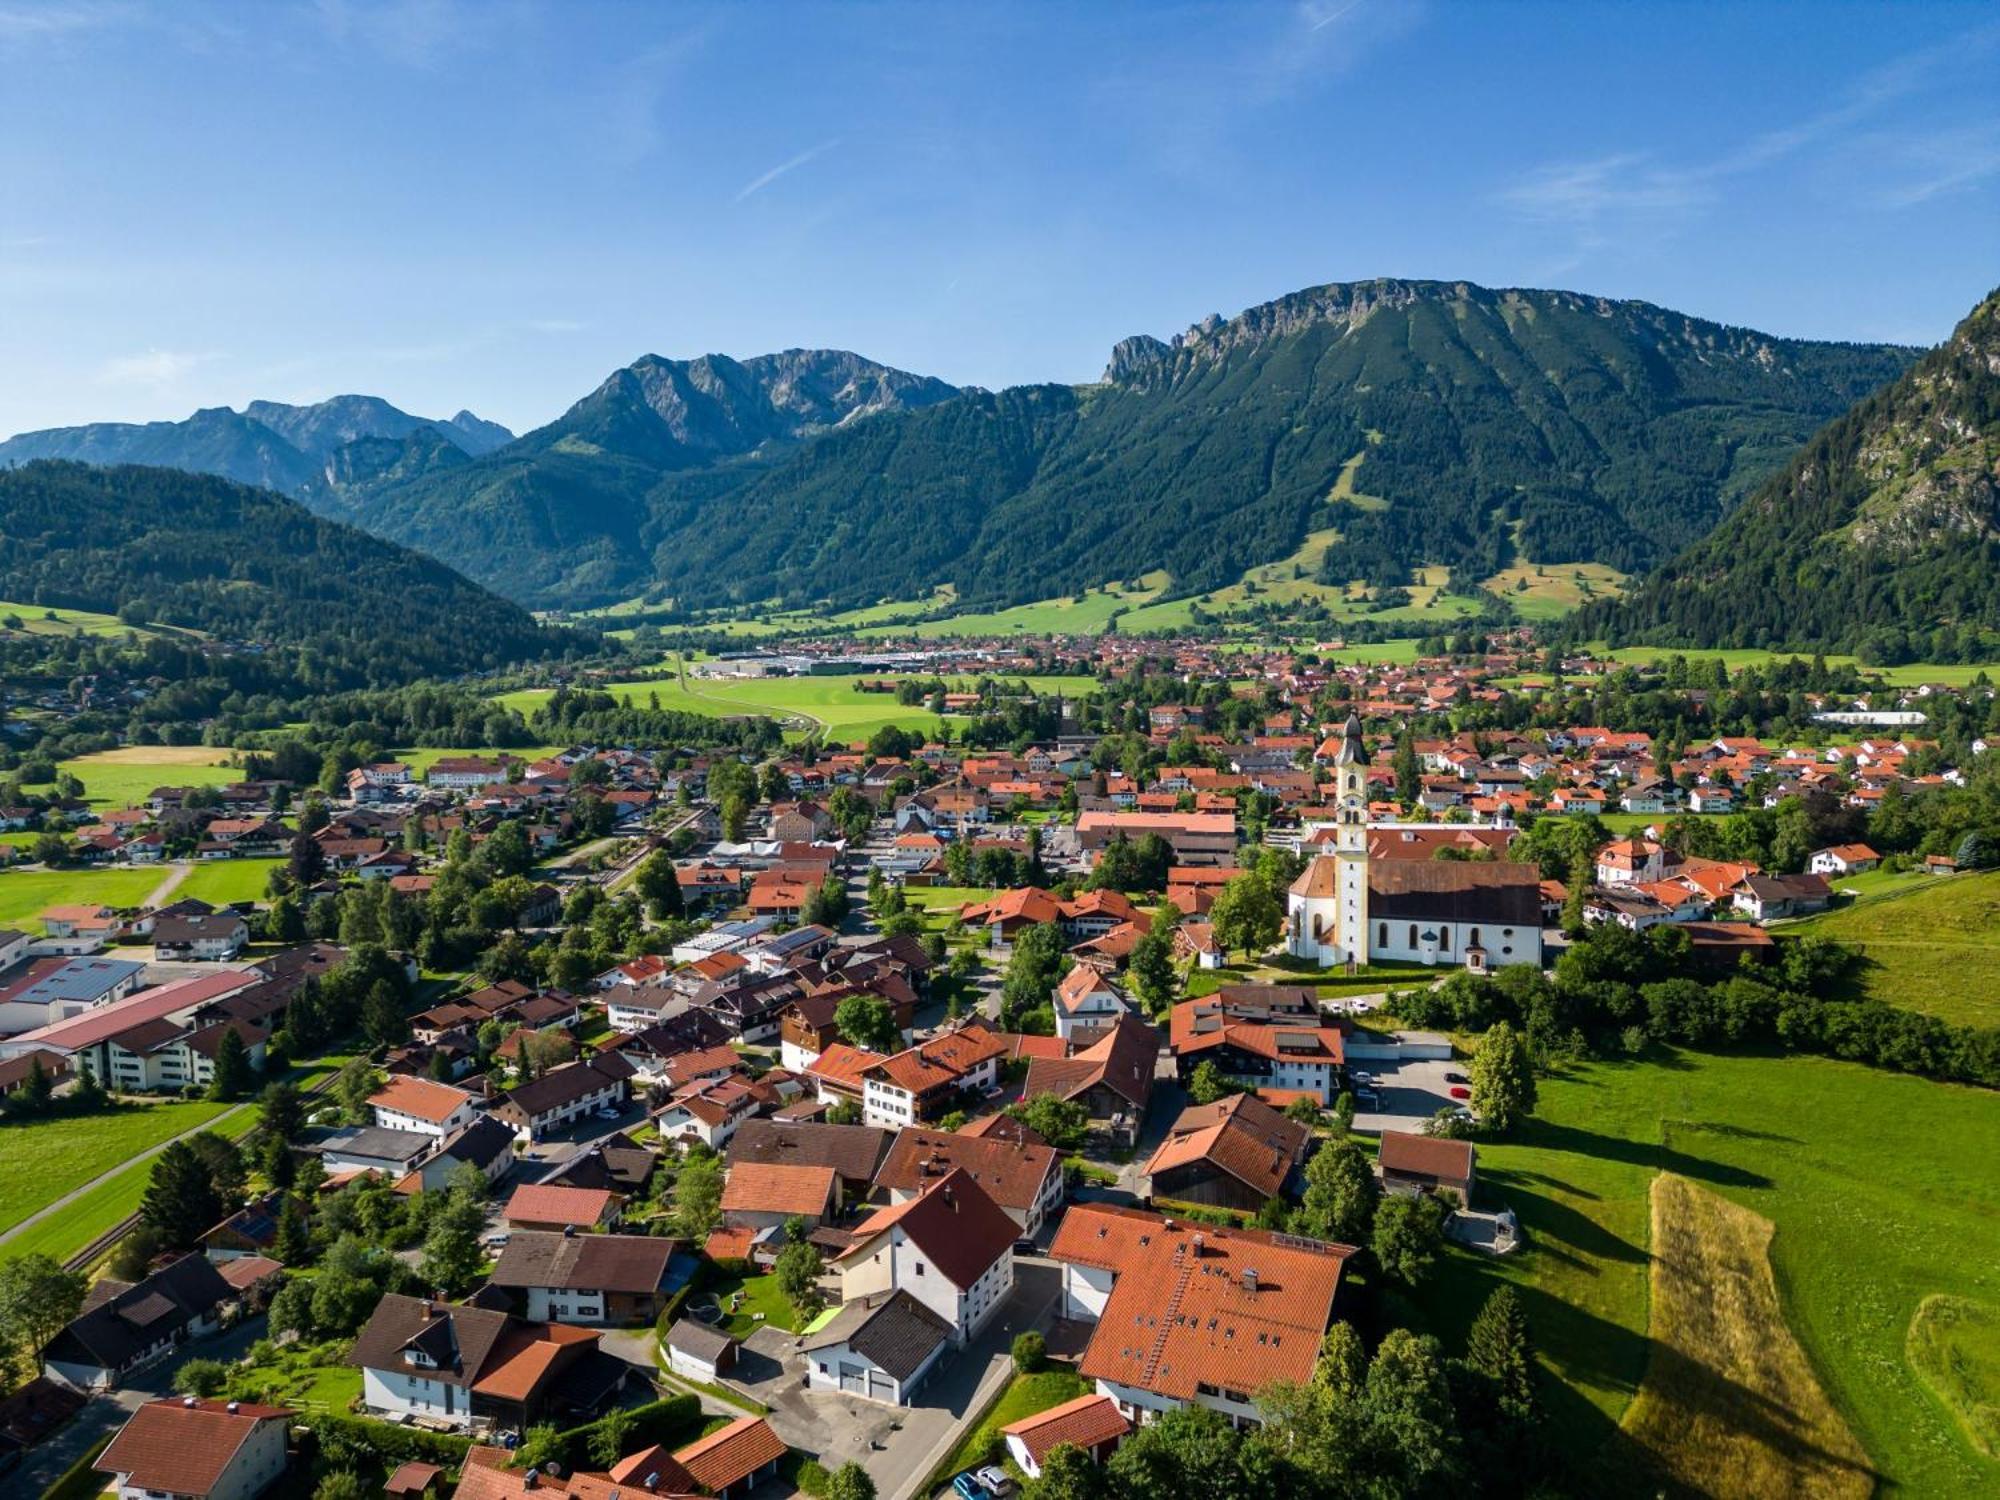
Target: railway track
(90,1252)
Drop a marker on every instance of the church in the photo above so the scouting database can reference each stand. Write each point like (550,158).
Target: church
(1354,907)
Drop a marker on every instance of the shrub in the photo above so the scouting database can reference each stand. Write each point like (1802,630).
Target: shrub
(1030,1349)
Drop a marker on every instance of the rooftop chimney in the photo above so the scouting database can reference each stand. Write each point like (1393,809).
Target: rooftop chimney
(1200,1240)
(430,1309)
(234,1407)
(189,1401)
(1250,1280)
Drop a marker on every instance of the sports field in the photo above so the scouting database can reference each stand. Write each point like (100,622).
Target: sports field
(1876,1185)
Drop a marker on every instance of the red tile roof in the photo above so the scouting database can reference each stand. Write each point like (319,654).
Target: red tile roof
(1085,1422)
(534,1203)
(181,1449)
(1240,1135)
(1193,1305)
(953,1221)
(731,1454)
(420,1098)
(768,1187)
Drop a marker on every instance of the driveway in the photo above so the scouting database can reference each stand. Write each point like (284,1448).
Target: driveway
(899,1445)
(1411,1093)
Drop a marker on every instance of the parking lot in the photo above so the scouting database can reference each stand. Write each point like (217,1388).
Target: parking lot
(1411,1092)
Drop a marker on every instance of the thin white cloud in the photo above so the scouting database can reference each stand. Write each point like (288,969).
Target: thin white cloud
(155,367)
(41,23)
(1938,165)
(1319,17)
(758,184)
(1601,198)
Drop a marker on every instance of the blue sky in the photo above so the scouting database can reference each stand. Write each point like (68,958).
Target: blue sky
(494,204)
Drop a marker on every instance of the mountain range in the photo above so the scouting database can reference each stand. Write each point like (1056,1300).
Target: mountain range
(1881,535)
(295,450)
(1399,423)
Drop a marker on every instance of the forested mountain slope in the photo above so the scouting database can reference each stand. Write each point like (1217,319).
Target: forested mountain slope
(247,565)
(1571,427)
(1882,535)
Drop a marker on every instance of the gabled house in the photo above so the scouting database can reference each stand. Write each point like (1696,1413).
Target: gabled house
(564,1094)
(1112,1077)
(422,1105)
(1411,1163)
(590,1278)
(951,1247)
(126,1326)
(1024,1179)
(1235,1153)
(191,1449)
(1085,998)
(882,1346)
(1091,1423)
(453,1364)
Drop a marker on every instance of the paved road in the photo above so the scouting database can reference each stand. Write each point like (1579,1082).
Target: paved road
(899,1445)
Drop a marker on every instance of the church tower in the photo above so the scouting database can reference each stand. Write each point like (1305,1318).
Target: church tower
(1350,850)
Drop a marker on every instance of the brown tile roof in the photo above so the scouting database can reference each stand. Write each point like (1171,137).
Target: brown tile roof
(420,1098)
(1240,1135)
(1425,1155)
(1185,1309)
(183,1449)
(536,1203)
(953,1222)
(853,1151)
(527,1355)
(1122,1059)
(731,1454)
(1084,1422)
(634,1263)
(1012,1172)
(769,1188)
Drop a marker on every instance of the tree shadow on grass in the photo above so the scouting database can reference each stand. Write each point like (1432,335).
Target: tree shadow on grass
(1596,1144)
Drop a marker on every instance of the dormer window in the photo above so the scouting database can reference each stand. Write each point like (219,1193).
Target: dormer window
(423,1360)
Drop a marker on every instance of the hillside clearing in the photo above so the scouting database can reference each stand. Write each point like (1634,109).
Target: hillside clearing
(1729,1405)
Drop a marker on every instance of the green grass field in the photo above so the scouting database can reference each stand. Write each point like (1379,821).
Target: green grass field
(34,621)
(1881,1197)
(126,777)
(420,761)
(40,1160)
(830,703)
(1934,947)
(222,881)
(1913,674)
(24,894)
